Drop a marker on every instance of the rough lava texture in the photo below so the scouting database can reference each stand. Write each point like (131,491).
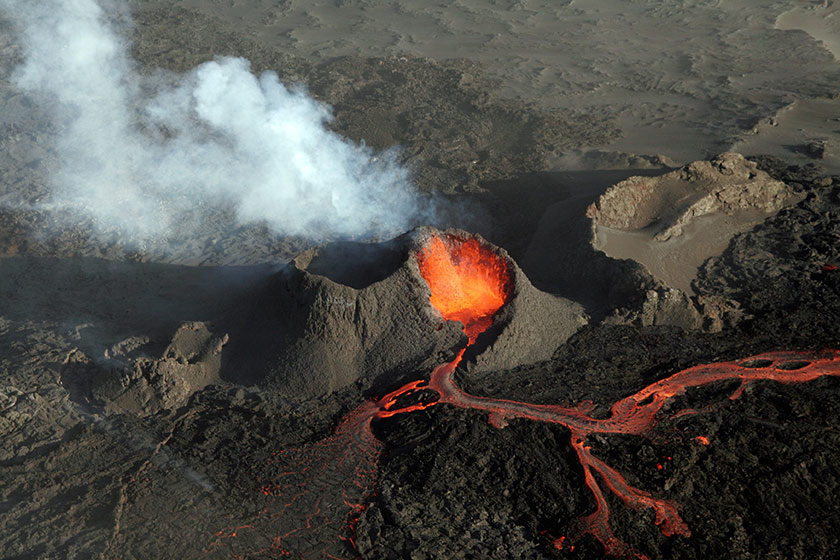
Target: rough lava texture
(350,313)
(727,183)
(127,379)
(80,483)
(653,215)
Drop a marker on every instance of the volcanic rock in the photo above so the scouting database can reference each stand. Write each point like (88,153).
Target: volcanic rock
(672,223)
(664,306)
(607,159)
(128,380)
(359,312)
(823,148)
(528,329)
(668,203)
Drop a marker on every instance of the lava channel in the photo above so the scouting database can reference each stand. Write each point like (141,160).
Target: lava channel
(469,283)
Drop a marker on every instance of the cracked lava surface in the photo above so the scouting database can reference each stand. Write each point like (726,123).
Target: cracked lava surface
(318,491)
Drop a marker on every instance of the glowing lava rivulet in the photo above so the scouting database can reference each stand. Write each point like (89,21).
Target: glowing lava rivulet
(469,283)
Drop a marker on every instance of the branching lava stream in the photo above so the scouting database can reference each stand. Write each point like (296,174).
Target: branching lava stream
(469,283)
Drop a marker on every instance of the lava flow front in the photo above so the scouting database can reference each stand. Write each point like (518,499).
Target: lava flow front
(469,283)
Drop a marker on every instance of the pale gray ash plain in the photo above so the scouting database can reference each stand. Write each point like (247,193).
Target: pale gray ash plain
(210,216)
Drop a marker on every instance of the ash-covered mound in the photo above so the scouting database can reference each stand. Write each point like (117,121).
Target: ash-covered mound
(671,224)
(674,222)
(128,379)
(668,203)
(358,312)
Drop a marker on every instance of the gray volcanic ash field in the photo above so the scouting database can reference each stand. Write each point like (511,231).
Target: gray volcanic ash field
(511,279)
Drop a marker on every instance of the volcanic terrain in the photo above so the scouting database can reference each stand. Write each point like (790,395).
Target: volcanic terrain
(551,280)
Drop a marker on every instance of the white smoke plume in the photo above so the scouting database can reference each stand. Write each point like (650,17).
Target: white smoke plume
(140,162)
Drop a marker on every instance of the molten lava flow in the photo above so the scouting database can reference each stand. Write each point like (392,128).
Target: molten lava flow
(470,283)
(468,280)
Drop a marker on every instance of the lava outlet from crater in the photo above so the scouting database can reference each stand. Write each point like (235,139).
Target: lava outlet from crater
(468,281)
(316,493)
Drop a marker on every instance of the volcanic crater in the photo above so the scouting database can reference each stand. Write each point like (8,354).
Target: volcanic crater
(348,313)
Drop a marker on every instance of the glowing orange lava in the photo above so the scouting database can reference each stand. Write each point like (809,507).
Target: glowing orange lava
(468,281)
(318,491)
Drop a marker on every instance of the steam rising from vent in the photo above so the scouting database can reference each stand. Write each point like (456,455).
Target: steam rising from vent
(144,156)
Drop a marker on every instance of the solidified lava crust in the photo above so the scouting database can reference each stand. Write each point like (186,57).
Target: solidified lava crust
(469,283)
